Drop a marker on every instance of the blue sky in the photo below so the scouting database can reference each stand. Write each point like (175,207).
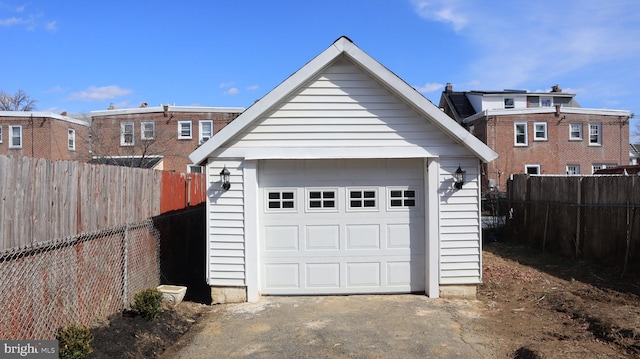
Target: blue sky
(80,56)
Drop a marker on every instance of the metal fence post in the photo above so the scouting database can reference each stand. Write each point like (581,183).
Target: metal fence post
(125,265)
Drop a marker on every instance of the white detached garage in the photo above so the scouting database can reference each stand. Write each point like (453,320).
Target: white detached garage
(342,182)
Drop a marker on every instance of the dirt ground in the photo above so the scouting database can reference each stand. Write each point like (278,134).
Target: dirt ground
(544,306)
(130,336)
(540,306)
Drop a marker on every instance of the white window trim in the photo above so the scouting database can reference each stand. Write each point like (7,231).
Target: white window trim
(201,137)
(577,167)
(71,139)
(11,127)
(142,130)
(363,209)
(527,166)
(0,134)
(180,136)
(515,134)
(571,138)
(191,167)
(542,98)
(599,142)
(535,131)
(281,190)
(123,126)
(404,208)
(602,166)
(513,102)
(308,199)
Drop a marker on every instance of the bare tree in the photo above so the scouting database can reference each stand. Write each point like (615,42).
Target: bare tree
(105,143)
(20,101)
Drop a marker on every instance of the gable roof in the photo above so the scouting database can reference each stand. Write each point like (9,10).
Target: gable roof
(345,47)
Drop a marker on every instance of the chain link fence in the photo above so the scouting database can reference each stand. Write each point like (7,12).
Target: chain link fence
(79,279)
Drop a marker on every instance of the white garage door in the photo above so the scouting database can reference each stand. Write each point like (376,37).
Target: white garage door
(342,227)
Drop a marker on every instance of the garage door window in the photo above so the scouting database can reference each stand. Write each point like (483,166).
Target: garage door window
(321,200)
(402,198)
(363,199)
(281,200)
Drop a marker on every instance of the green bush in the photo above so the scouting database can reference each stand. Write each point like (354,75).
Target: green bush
(148,303)
(74,342)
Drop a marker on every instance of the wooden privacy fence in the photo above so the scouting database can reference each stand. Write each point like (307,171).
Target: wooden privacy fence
(42,199)
(77,241)
(595,217)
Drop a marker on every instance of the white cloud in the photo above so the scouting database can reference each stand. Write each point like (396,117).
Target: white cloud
(52,26)
(99,93)
(226,84)
(441,10)
(56,89)
(232,91)
(517,46)
(30,20)
(429,87)
(12,21)
(252,88)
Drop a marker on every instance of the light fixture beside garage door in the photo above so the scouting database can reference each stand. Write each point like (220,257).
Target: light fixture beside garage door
(224,178)
(460,176)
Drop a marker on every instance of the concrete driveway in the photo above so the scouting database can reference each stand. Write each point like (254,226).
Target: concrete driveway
(362,326)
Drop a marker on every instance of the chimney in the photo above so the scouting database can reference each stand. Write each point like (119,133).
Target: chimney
(448,88)
(143,105)
(166,109)
(556,88)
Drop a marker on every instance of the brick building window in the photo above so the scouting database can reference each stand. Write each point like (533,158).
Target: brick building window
(573,170)
(575,131)
(540,131)
(601,166)
(194,169)
(205,131)
(184,130)
(71,139)
(546,101)
(126,134)
(15,136)
(147,130)
(0,134)
(595,134)
(520,134)
(532,169)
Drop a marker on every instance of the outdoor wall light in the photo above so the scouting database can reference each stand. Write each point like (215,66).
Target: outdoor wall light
(460,176)
(224,178)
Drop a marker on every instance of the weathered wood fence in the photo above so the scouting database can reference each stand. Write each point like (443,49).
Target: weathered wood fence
(595,217)
(42,199)
(77,241)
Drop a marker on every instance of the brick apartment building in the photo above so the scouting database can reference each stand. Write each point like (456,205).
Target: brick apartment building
(159,137)
(539,133)
(43,135)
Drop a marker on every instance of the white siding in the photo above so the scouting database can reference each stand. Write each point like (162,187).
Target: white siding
(343,108)
(460,238)
(226,242)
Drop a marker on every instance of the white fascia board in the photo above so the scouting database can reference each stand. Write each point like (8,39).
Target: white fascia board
(321,153)
(154,109)
(41,114)
(538,110)
(267,102)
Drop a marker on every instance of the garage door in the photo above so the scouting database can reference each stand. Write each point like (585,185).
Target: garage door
(342,227)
